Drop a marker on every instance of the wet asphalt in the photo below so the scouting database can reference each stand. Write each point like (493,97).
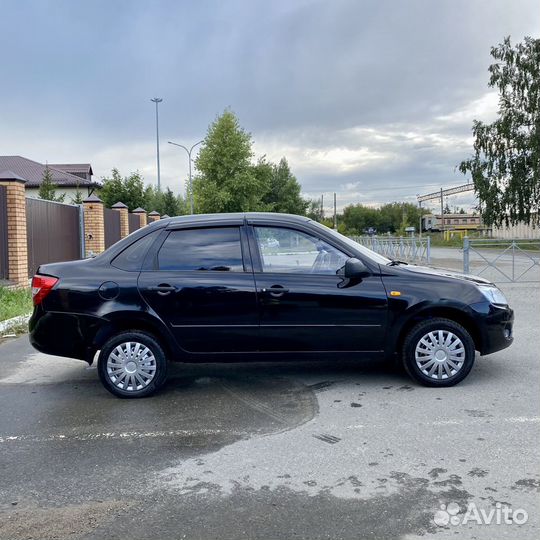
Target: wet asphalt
(288,450)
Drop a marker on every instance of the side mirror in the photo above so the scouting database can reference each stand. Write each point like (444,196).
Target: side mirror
(354,268)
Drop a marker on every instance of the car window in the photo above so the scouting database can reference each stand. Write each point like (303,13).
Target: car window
(132,257)
(217,249)
(291,251)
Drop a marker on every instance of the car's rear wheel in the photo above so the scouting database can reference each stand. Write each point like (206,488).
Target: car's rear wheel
(132,365)
(438,352)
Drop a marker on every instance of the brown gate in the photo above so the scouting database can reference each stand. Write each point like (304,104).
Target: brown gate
(53,231)
(3,234)
(134,222)
(112,226)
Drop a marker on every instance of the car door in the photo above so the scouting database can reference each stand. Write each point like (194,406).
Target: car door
(200,283)
(304,302)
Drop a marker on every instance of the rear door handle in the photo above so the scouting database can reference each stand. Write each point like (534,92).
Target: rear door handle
(162,290)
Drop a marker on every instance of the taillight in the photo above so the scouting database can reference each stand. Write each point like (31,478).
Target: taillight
(41,287)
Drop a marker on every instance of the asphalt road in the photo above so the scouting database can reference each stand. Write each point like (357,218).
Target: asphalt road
(315,450)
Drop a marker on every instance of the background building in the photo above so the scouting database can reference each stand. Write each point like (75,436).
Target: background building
(69,178)
(433,222)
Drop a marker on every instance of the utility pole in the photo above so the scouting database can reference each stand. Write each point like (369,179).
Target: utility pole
(157,100)
(335,212)
(420,228)
(322,206)
(442,211)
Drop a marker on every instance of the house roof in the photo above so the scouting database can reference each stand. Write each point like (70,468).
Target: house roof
(73,168)
(32,172)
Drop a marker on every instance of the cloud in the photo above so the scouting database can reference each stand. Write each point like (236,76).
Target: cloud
(364,98)
(484,108)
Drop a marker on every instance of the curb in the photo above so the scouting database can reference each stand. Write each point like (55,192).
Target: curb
(7,325)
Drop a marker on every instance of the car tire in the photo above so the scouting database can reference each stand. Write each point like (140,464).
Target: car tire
(132,364)
(438,352)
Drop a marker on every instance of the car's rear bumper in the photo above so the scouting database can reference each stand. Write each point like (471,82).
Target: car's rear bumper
(496,327)
(62,334)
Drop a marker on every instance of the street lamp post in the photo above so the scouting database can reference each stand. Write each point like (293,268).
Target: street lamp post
(190,179)
(156,101)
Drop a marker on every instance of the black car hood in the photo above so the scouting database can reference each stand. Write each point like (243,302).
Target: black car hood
(446,273)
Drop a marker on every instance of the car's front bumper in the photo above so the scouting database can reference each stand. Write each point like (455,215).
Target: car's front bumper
(496,326)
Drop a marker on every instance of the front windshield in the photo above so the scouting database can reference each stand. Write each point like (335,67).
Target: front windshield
(370,254)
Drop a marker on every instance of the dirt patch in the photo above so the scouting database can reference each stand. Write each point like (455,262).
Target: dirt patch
(53,523)
(13,332)
(527,484)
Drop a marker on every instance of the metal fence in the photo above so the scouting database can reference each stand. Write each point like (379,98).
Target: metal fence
(408,249)
(502,260)
(134,222)
(112,226)
(3,233)
(54,232)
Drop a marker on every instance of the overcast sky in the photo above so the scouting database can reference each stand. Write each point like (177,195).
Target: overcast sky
(371,99)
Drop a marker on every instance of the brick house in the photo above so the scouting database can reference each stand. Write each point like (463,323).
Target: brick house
(69,178)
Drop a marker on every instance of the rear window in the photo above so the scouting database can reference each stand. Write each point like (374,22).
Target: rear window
(132,257)
(217,249)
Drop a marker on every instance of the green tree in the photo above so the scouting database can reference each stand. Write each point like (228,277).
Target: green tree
(396,216)
(79,197)
(170,203)
(226,181)
(389,218)
(357,217)
(315,210)
(47,189)
(164,202)
(505,166)
(153,199)
(264,172)
(130,190)
(183,205)
(283,191)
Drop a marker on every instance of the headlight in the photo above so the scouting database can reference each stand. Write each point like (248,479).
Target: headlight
(493,294)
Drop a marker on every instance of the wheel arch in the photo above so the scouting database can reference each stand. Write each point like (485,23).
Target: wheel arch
(124,321)
(446,312)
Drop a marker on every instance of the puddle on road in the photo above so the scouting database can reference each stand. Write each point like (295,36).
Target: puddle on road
(199,407)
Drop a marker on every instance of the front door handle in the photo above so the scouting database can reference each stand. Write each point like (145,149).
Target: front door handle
(163,289)
(275,290)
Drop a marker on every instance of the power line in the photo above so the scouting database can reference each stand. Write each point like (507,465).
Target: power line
(445,192)
(396,188)
(393,188)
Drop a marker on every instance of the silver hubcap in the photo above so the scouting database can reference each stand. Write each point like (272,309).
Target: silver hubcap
(440,354)
(131,366)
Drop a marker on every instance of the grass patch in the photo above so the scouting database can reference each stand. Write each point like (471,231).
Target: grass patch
(14,302)
(438,241)
(480,242)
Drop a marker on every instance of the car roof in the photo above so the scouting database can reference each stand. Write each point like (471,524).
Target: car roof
(232,218)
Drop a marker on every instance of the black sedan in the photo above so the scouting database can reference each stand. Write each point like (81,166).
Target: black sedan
(259,286)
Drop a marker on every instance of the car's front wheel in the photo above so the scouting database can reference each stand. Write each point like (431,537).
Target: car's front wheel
(438,352)
(132,365)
